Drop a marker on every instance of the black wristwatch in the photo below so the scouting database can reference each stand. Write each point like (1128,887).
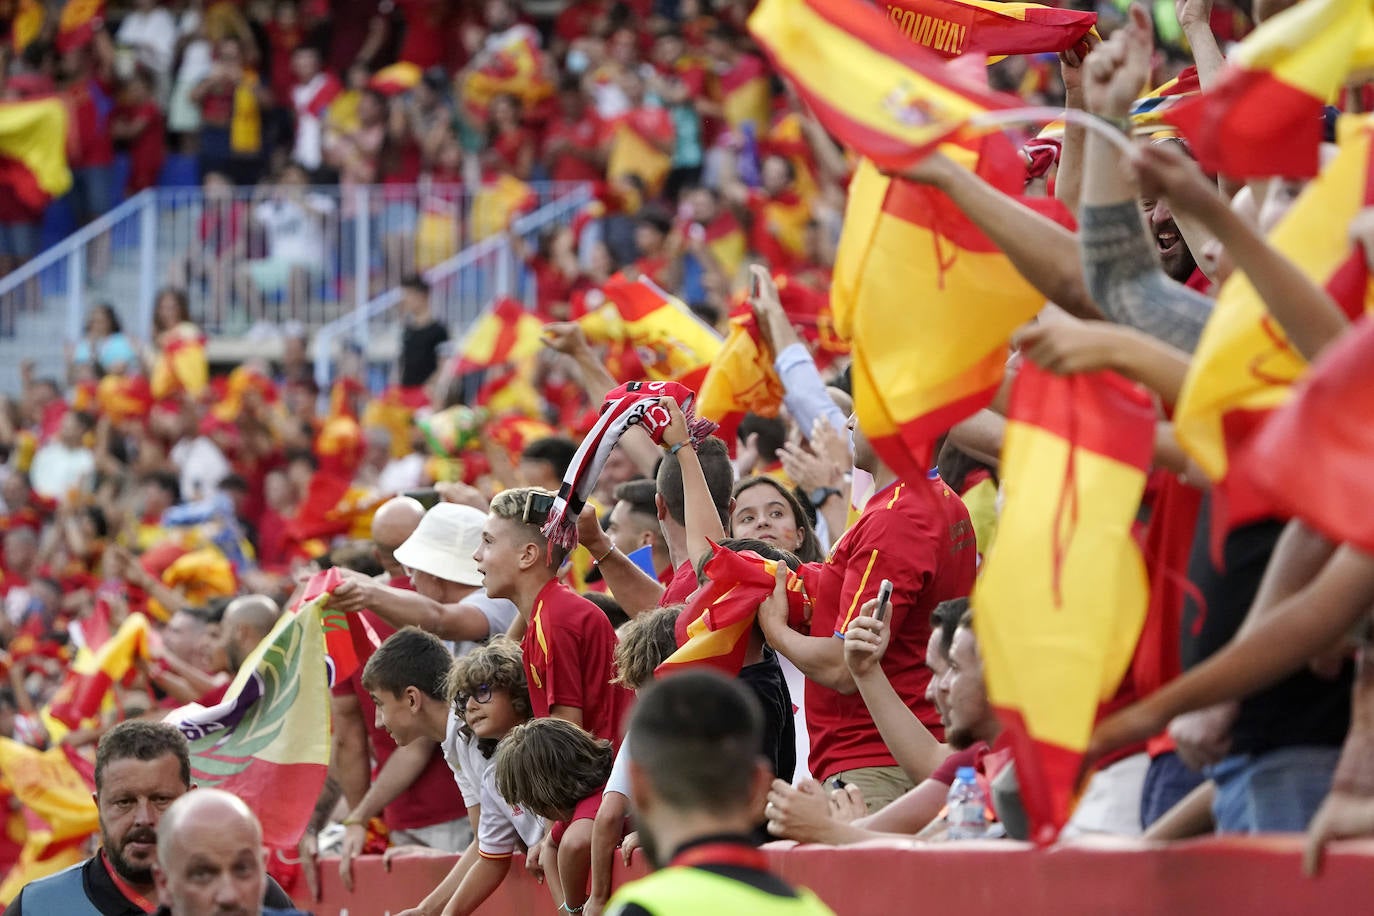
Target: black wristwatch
(820,495)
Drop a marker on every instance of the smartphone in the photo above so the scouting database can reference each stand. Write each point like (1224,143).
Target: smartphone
(429,498)
(884,599)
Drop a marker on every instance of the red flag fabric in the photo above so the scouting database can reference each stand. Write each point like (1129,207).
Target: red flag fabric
(954,27)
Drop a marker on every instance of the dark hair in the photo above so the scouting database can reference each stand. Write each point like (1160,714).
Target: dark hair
(359,556)
(753,545)
(85,420)
(549,765)
(99,522)
(137,740)
(772,433)
(409,658)
(302,454)
(234,483)
(166,481)
(696,735)
(556,451)
(810,548)
(570,82)
(646,642)
(656,217)
(110,315)
(179,297)
(610,607)
(499,666)
(415,282)
(945,618)
(639,493)
(714,458)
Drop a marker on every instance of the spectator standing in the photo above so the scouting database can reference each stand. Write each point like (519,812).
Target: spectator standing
(137,125)
(231,99)
(422,336)
(149,33)
(311,94)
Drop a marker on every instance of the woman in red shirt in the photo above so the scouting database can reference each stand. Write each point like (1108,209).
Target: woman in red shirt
(137,124)
(510,145)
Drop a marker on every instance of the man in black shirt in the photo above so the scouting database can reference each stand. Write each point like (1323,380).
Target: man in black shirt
(140,769)
(422,334)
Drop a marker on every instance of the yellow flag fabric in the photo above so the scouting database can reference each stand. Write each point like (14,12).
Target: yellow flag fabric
(93,674)
(497,203)
(62,812)
(673,344)
(631,154)
(181,366)
(33,150)
(928,304)
(1244,366)
(1063,592)
(741,379)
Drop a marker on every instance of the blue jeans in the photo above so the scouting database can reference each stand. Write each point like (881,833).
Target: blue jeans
(1277,792)
(1167,782)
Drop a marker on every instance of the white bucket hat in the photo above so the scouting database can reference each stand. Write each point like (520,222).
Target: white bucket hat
(443,543)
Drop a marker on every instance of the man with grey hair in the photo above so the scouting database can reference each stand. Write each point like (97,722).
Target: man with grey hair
(210,858)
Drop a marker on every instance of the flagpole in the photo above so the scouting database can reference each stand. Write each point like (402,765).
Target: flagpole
(1043,114)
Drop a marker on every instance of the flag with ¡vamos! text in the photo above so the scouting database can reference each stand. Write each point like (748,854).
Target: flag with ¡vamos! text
(55,787)
(33,152)
(95,672)
(1244,366)
(877,93)
(928,304)
(1062,596)
(268,741)
(954,27)
(673,344)
(1264,116)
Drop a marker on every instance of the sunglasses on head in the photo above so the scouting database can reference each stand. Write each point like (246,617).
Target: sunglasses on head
(537,508)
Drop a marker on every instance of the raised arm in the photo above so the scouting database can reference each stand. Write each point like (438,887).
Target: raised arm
(401,608)
(703,525)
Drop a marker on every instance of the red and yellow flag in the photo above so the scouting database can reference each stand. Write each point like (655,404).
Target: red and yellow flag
(879,94)
(55,787)
(496,205)
(33,152)
(633,155)
(329,507)
(93,673)
(124,397)
(181,366)
(745,94)
(713,629)
(80,19)
(1244,366)
(247,386)
(1323,437)
(910,259)
(516,69)
(199,575)
(396,79)
(27,24)
(808,308)
(1063,593)
(501,347)
(673,344)
(954,27)
(741,379)
(1264,116)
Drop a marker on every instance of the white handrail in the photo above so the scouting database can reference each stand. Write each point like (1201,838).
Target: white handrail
(77,240)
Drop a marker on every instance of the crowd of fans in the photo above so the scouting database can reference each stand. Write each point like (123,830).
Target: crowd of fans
(507,661)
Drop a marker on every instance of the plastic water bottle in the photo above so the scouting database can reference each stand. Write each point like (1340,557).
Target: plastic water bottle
(967,806)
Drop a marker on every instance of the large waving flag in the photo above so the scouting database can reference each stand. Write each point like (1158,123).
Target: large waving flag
(1245,366)
(517,69)
(268,741)
(713,629)
(1264,117)
(55,789)
(33,151)
(928,304)
(500,349)
(954,27)
(1063,593)
(94,673)
(879,94)
(1325,436)
(741,379)
(673,344)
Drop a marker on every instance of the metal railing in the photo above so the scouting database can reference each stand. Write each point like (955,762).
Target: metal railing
(460,288)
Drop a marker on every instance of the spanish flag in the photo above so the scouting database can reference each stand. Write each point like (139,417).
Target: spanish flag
(199,575)
(27,24)
(741,379)
(80,19)
(928,305)
(55,787)
(328,508)
(808,308)
(727,243)
(93,673)
(1152,110)
(779,228)
(1063,593)
(1324,437)
(673,344)
(713,629)
(745,94)
(496,205)
(349,639)
(395,79)
(33,152)
(499,351)
(393,412)
(1264,117)
(1244,366)
(245,386)
(876,92)
(633,155)
(954,27)
(516,69)
(181,366)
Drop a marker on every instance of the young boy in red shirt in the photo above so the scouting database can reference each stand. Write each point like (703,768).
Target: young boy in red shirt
(568,649)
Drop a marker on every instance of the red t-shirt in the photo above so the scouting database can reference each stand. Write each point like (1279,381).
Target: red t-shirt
(653,124)
(681,585)
(568,651)
(919,536)
(282,42)
(425,32)
(148,148)
(583,134)
(577,19)
(432,798)
(90,127)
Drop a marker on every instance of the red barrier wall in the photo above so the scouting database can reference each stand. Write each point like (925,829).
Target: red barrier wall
(1210,877)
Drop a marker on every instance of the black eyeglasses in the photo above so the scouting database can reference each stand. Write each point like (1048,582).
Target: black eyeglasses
(482,695)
